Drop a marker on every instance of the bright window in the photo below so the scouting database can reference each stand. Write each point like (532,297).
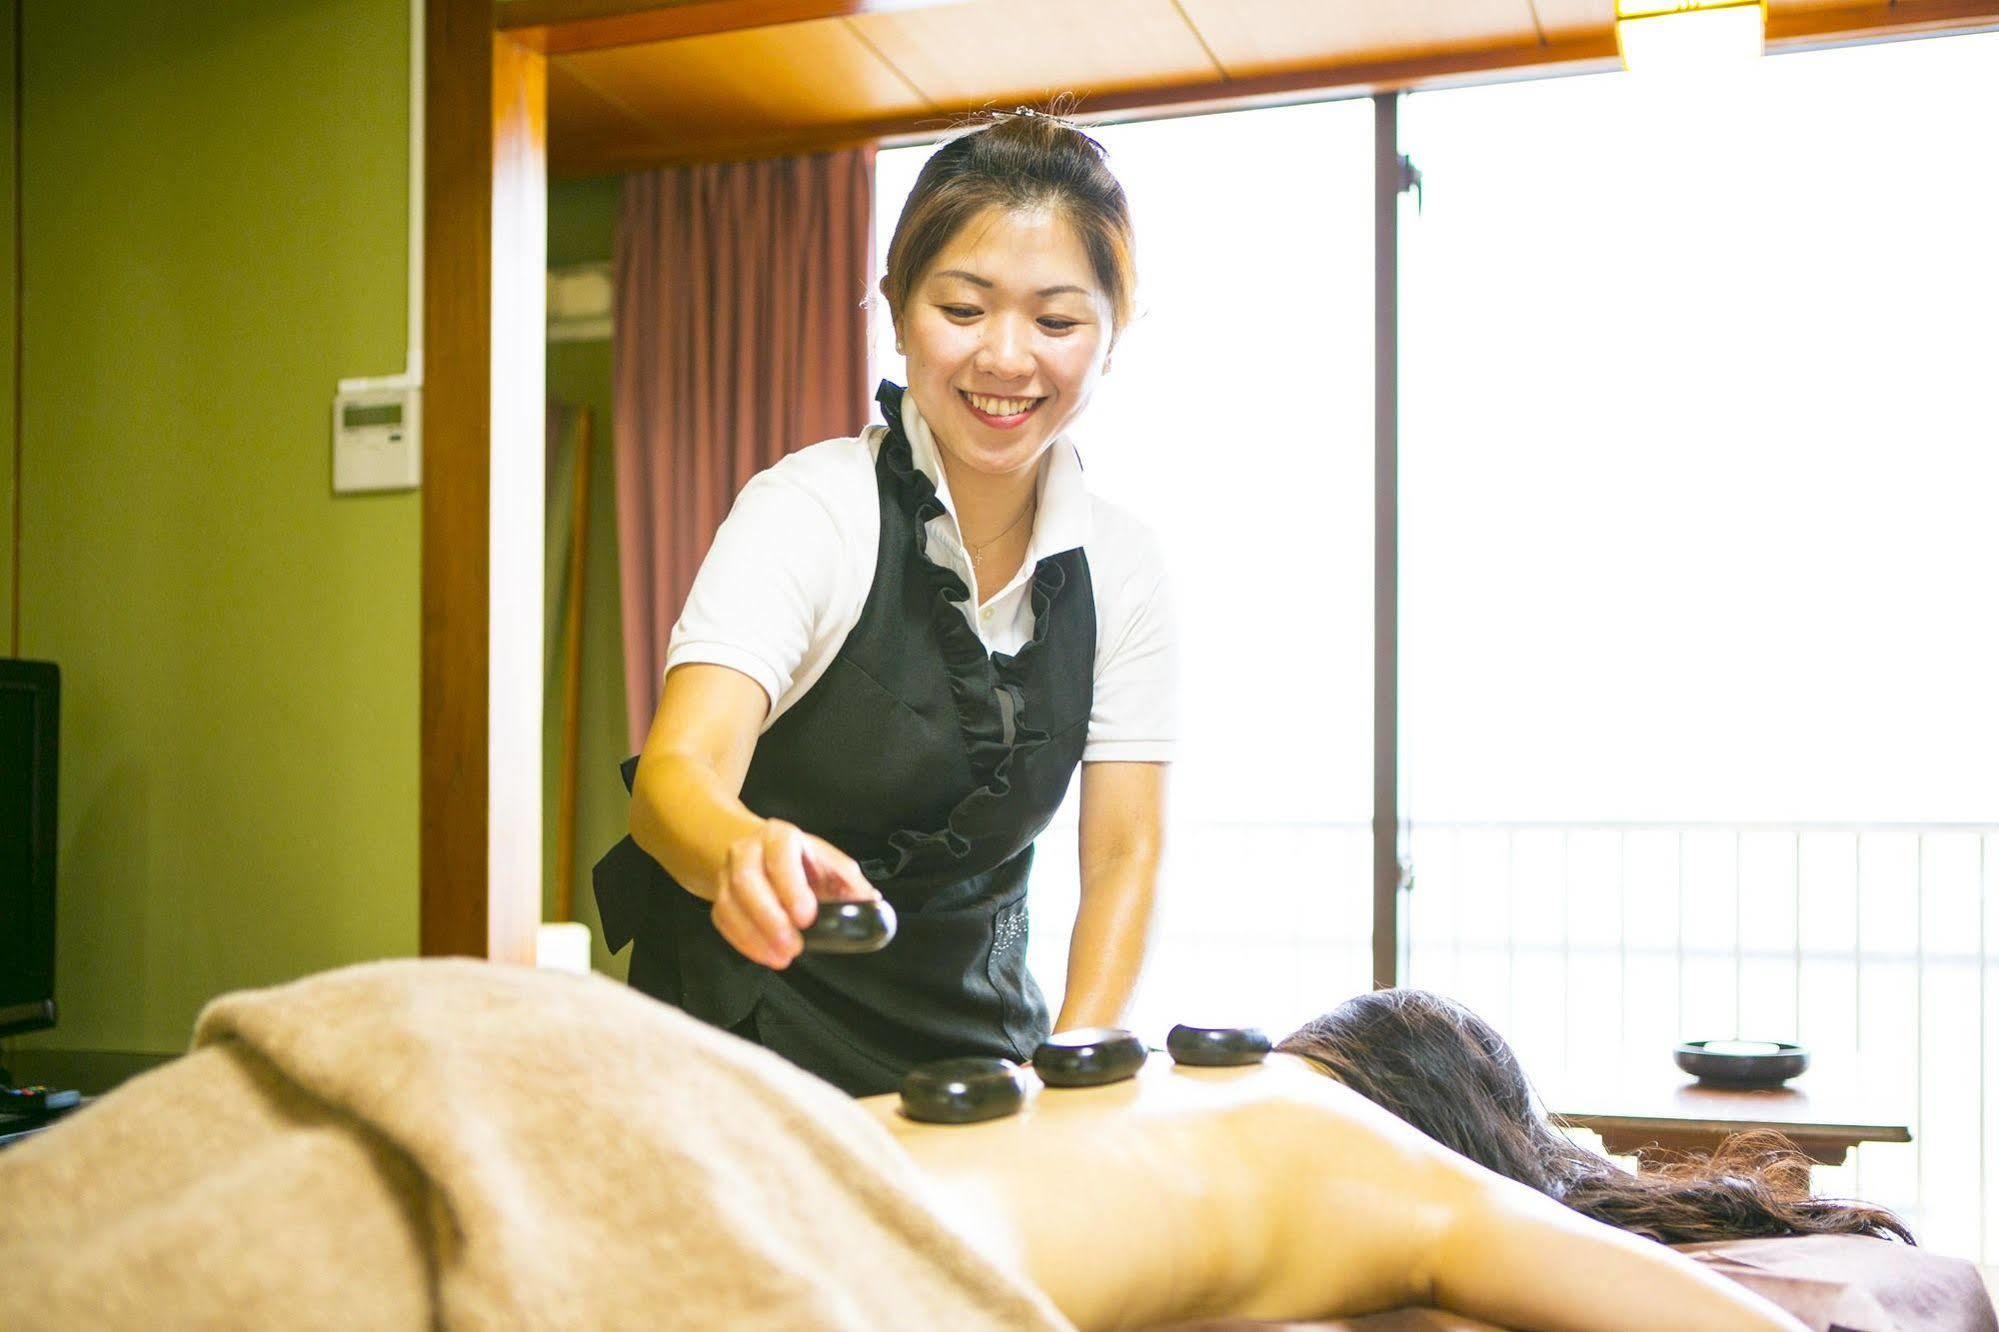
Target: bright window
(1700,483)
(1700,528)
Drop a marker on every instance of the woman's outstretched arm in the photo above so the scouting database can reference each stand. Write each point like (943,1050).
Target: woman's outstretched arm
(1118,842)
(764,876)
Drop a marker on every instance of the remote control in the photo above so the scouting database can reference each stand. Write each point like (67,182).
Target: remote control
(35,1101)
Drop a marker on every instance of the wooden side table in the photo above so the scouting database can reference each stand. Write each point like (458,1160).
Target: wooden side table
(1676,1114)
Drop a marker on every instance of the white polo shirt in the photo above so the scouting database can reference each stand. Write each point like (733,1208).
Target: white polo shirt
(789,572)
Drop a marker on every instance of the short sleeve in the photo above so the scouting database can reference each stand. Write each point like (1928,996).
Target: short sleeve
(1134,713)
(760,602)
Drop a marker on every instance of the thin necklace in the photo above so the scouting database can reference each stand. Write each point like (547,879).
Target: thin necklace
(978,552)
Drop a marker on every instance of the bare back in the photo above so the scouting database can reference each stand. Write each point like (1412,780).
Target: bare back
(1273,1192)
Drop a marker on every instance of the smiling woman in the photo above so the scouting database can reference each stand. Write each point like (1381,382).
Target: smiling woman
(1008,286)
(1006,358)
(900,648)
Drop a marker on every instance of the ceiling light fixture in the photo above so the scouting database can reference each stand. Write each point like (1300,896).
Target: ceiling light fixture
(1682,35)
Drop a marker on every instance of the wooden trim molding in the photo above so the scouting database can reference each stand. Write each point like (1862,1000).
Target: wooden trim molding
(1573,53)
(485,244)
(564,907)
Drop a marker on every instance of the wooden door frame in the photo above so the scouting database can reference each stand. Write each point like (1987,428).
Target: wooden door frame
(485,353)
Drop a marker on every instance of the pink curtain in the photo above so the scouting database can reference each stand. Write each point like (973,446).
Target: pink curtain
(740,335)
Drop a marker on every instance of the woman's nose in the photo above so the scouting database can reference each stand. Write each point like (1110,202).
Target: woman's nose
(1005,352)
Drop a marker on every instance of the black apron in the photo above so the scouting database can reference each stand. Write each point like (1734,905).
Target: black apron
(935,765)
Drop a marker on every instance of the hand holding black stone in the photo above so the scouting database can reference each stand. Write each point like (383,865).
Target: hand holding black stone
(850,927)
(1089,1057)
(962,1091)
(1217,1047)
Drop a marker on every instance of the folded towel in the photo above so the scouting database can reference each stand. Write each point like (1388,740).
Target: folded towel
(465,1144)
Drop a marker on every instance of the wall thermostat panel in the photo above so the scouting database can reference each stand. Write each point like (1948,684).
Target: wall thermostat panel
(376,440)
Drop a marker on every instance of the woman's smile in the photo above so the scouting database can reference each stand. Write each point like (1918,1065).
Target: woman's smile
(1000,413)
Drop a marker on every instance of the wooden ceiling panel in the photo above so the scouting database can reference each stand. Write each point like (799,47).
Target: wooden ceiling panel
(1789,19)
(1566,18)
(558,27)
(1780,9)
(1254,37)
(757,81)
(736,85)
(579,114)
(964,56)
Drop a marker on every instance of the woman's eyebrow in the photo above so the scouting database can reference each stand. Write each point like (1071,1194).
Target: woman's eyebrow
(978,281)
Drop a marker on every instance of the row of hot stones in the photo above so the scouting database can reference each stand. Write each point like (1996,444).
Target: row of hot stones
(973,1088)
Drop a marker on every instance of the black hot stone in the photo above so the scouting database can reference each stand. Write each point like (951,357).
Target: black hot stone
(962,1091)
(1217,1047)
(850,927)
(1089,1057)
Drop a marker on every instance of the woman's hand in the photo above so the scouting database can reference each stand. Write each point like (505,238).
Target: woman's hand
(766,877)
(770,887)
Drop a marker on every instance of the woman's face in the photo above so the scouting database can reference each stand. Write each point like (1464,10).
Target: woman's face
(1005,333)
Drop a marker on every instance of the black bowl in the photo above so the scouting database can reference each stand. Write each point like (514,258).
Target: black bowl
(1776,1063)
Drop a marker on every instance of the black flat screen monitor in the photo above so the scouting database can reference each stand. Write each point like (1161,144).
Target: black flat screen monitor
(30,695)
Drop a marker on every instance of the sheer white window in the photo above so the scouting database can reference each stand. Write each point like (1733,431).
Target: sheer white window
(1700,478)
(1237,421)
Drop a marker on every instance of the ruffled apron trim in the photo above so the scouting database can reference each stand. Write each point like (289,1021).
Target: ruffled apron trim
(987,689)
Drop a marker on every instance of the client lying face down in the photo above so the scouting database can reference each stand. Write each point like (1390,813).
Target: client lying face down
(1270,1191)
(1437,1065)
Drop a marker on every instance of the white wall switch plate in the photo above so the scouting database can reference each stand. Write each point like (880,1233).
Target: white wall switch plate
(377,443)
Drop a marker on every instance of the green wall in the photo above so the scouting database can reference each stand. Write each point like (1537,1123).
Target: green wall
(582,215)
(215,232)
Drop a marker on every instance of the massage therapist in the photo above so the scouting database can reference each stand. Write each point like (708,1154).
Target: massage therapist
(897,652)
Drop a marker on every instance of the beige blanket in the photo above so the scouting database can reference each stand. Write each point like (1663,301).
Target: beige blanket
(405,1144)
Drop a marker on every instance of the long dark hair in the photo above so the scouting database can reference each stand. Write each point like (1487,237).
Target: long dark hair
(1439,1066)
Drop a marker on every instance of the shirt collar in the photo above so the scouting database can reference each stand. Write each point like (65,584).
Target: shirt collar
(1062,518)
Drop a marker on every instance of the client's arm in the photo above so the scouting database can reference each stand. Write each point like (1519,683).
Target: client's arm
(1491,1248)
(1520,1259)
(1275,1193)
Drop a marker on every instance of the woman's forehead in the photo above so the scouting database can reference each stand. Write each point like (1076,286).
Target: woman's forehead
(1027,249)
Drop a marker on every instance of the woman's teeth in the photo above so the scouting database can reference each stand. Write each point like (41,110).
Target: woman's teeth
(1000,406)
